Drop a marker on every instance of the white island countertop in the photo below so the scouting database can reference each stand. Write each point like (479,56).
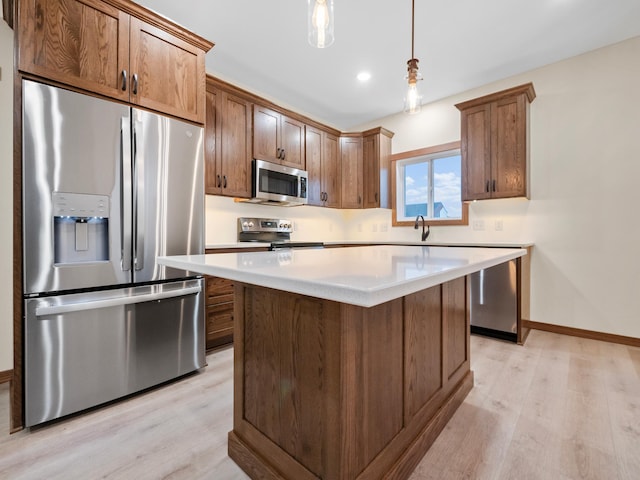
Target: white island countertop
(364,276)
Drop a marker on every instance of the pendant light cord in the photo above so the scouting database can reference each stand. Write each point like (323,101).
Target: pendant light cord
(413,22)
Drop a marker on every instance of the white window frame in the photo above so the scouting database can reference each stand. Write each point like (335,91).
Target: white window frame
(398,166)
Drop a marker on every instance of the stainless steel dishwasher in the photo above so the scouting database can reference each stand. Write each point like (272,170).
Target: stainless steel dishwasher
(494,301)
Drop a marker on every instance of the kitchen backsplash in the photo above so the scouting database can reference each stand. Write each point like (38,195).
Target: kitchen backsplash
(489,221)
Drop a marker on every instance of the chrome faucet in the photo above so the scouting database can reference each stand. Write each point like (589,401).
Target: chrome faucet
(425,231)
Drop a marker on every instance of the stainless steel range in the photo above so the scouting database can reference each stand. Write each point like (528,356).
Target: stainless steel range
(274,231)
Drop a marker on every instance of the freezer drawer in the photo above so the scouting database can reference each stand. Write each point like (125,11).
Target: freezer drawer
(82,350)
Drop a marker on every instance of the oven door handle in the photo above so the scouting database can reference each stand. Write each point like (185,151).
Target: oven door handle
(45,310)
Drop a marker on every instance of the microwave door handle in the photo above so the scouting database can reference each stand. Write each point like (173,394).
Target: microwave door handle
(138,198)
(125,195)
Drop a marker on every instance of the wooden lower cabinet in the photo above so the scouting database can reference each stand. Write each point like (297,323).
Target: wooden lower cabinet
(219,311)
(326,390)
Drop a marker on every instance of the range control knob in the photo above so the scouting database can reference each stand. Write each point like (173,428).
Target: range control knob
(250,224)
(245,224)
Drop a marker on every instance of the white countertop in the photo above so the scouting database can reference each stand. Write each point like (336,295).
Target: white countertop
(220,246)
(364,276)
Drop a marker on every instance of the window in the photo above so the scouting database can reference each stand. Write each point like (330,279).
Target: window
(428,182)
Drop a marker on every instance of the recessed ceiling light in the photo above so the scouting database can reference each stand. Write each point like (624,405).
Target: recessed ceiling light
(364,76)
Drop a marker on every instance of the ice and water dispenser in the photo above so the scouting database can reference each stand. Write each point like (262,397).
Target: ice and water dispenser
(80,228)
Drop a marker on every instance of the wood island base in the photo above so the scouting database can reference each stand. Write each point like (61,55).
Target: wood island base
(328,390)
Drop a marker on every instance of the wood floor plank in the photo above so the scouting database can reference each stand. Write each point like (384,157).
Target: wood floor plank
(556,408)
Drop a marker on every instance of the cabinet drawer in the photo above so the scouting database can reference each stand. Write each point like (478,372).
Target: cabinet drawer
(217,323)
(217,286)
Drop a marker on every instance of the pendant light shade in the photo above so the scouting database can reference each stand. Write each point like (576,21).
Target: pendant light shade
(320,23)
(413,98)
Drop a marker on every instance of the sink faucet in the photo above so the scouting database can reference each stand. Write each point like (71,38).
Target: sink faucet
(425,231)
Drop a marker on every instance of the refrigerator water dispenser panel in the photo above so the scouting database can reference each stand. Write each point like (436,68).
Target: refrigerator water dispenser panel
(80,228)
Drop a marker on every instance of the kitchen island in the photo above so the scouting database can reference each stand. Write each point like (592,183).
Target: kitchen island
(349,361)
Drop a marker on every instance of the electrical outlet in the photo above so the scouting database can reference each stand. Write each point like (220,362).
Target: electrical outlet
(478,224)
(499,225)
(384,227)
(374,227)
(359,227)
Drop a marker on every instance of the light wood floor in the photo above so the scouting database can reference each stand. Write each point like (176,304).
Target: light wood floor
(557,408)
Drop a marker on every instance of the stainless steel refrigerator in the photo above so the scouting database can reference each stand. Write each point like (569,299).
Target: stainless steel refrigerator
(106,189)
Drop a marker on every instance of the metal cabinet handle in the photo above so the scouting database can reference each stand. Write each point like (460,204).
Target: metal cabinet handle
(375,196)
(124,80)
(219,183)
(486,188)
(494,185)
(134,79)
(224,181)
(284,154)
(359,199)
(278,150)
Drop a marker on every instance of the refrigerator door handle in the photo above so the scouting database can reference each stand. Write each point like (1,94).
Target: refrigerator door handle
(125,195)
(44,310)
(139,207)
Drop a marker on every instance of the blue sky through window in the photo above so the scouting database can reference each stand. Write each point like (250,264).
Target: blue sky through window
(447,183)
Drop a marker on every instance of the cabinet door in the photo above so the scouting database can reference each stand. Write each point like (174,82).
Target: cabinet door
(212,174)
(371,171)
(219,311)
(331,170)
(167,73)
(83,43)
(292,143)
(235,145)
(313,154)
(476,154)
(351,166)
(508,147)
(266,123)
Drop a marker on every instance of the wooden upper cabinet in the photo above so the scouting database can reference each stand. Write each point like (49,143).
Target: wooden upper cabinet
(376,153)
(292,141)
(278,138)
(116,49)
(212,176)
(227,144)
(313,155)
(79,43)
(351,167)
(167,73)
(331,173)
(494,144)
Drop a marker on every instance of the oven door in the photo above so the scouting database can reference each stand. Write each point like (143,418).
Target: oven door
(272,183)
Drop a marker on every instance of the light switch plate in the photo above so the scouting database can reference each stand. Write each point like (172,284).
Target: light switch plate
(478,224)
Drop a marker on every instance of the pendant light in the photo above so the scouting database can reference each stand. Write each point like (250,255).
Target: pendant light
(320,22)
(413,99)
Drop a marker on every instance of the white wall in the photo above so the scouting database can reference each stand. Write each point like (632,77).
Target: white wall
(6,196)
(585,168)
(585,171)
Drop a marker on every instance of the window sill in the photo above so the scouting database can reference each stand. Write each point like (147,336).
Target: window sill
(434,222)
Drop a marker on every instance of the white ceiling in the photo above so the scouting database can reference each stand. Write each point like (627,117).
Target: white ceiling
(261,45)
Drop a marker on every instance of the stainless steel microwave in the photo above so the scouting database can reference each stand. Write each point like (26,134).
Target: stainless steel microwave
(278,185)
